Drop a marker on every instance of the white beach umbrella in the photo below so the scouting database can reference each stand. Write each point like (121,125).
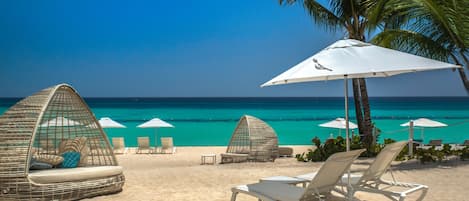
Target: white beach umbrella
(338,123)
(424,122)
(60,122)
(107,122)
(156,123)
(350,58)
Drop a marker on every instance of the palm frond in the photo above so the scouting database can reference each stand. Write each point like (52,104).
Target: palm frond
(412,42)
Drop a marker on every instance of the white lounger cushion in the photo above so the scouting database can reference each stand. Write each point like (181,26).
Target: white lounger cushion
(273,190)
(73,174)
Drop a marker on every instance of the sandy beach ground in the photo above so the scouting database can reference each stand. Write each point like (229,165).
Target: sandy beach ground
(181,177)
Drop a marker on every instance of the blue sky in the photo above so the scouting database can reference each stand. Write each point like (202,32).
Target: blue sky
(174,49)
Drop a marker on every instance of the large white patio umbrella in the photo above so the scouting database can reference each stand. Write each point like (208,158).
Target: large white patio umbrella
(339,123)
(156,123)
(350,58)
(107,122)
(422,123)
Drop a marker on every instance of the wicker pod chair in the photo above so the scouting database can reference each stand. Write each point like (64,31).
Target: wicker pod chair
(49,123)
(252,140)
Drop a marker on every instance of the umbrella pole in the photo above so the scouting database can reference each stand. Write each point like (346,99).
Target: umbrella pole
(156,140)
(411,138)
(347,141)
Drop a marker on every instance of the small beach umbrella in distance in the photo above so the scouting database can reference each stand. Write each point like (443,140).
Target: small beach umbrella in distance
(350,58)
(107,122)
(424,122)
(60,122)
(156,123)
(338,123)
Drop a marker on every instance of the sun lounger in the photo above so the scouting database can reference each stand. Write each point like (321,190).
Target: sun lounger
(460,146)
(320,186)
(285,151)
(438,144)
(167,145)
(233,158)
(143,144)
(118,145)
(435,142)
(370,180)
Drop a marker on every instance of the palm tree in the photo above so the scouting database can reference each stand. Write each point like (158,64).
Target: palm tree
(350,16)
(438,29)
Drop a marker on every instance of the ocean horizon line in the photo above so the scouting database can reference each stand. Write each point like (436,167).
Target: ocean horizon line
(246,97)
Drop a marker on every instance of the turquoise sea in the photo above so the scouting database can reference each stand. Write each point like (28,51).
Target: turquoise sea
(211,121)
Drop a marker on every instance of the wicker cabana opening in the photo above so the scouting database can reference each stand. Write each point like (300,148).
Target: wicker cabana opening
(39,125)
(254,137)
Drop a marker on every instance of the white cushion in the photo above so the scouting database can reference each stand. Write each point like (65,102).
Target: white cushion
(59,175)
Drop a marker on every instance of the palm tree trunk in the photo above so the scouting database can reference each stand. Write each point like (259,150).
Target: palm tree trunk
(358,105)
(464,79)
(368,126)
(462,74)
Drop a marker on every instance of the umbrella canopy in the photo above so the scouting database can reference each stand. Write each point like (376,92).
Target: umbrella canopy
(155,123)
(107,122)
(60,122)
(424,122)
(338,123)
(355,59)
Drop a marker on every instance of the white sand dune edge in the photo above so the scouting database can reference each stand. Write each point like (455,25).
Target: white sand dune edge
(181,177)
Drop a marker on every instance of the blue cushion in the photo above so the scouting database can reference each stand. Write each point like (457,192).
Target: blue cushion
(36,165)
(71,159)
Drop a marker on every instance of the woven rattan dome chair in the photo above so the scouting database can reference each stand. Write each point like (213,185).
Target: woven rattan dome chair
(255,138)
(39,124)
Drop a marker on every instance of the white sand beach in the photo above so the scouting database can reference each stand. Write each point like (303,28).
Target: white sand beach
(181,177)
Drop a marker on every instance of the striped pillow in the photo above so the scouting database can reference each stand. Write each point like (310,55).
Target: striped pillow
(48,158)
(79,144)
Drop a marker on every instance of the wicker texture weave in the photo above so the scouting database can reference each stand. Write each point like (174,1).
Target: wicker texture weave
(38,124)
(254,137)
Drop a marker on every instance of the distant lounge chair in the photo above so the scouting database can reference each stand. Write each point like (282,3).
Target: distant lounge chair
(461,146)
(233,158)
(438,144)
(320,186)
(285,151)
(465,143)
(119,145)
(370,180)
(167,144)
(435,143)
(143,144)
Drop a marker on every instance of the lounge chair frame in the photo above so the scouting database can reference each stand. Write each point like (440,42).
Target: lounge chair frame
(26,125)
(371,180)
(118,144)
(167,145)
(319,188)
(144,144)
